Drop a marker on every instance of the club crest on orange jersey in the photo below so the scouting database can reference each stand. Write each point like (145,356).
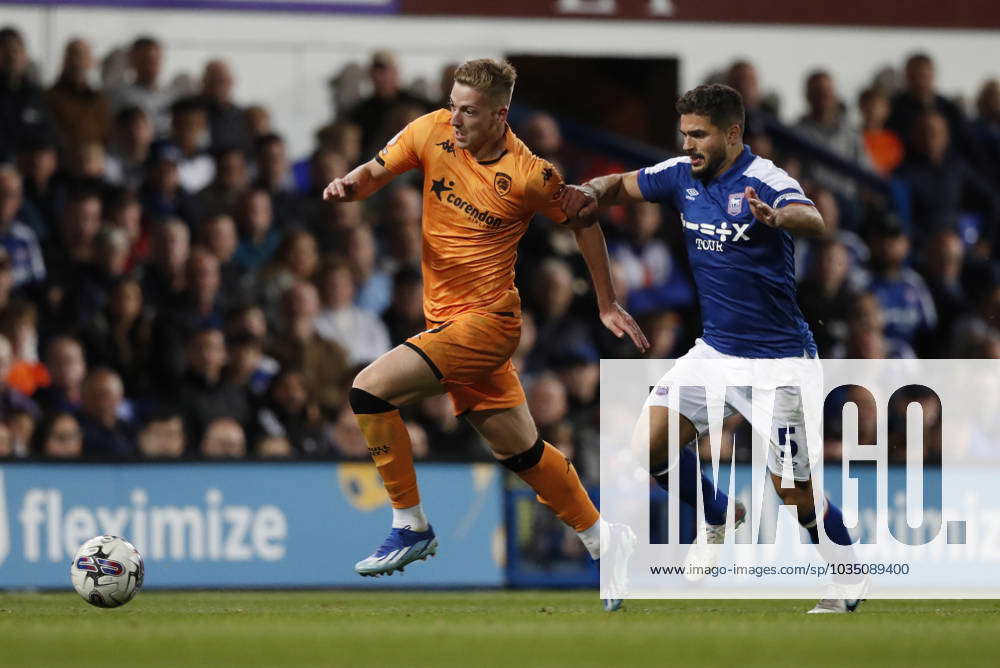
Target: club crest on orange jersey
(501,183)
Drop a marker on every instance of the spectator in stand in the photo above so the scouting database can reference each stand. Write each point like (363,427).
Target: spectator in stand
(405,315)
(858,254)
(448,437)
(359,332)
(866,338)
(374,287)
(67,368)
(549,404)
(162,194)
(941,184)
(446,82)
(197,308)
(910,315)
(274,176)
(249,367)
(558,328)
(24,113)
(162,437)
(12,401)
(258,120)
(259,237)
(59,437)
(165,278)
(37,161)
(105,433)
(652,278)
(19,323)
(16,237)
(320,216)
(826,123)
(986,128)
(976,334)
(884,146)
(204,393)
(145,61)
(826,295)
(298,345)
(131,139)
(401,225)
(943,260)
(920,98)
(124,212)
(760,111)
(189,133)
(297,259)
(664,330)
(119,337)
(224,439)
(89,295)
(289,412)
(6,280)
(223,194)
(343,137)
(372,113)
(540,131)
(82,113)
(218,235)
(273,447)
(227,123)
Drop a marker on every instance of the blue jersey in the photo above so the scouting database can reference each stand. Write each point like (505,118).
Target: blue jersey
(744,269)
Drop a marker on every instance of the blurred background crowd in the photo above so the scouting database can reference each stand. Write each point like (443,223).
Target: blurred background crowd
(172,284)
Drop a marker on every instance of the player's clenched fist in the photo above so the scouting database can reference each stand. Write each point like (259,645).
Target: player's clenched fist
(341,189)
(578,201)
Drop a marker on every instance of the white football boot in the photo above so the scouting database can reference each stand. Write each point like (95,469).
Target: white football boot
(842,598)
(704,553)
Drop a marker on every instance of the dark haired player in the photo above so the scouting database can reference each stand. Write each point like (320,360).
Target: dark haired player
(738,212)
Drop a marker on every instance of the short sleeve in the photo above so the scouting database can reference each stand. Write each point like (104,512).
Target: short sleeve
(543,188)
(774,186)
(659,183)
(403,151)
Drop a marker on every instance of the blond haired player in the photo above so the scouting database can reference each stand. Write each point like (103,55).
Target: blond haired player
(481,188)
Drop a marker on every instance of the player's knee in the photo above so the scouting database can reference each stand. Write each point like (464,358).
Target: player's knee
(365,403)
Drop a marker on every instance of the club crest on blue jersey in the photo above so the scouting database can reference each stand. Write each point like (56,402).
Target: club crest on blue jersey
(735,204)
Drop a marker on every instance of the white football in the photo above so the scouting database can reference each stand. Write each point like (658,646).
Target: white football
(107,571)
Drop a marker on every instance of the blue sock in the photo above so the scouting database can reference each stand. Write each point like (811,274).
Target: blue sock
(834,523)
(835,527)
(715,502)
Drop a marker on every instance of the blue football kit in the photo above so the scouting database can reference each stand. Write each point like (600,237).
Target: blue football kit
(743,268)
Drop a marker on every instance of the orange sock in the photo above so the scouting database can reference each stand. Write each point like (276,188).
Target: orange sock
(389,445)
(553,477)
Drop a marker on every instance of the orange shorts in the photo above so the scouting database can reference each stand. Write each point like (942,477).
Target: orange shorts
(470,354)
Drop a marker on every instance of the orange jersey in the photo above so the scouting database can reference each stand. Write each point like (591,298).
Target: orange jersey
(474,214)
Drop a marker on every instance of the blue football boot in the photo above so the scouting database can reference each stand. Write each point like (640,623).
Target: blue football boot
(402,547)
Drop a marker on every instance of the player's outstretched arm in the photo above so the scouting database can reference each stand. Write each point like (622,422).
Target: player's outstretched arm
(590,239)
(797,218)
(360,183)
(583,201)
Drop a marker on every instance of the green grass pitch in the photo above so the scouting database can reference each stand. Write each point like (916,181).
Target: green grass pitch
(485,628)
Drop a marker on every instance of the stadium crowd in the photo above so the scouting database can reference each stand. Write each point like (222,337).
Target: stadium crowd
(172,284)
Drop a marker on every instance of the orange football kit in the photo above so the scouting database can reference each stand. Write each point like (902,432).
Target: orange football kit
(474,215)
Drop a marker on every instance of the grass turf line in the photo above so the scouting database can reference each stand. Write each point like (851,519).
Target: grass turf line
(488,628)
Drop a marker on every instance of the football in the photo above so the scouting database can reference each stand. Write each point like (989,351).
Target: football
(107,571)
